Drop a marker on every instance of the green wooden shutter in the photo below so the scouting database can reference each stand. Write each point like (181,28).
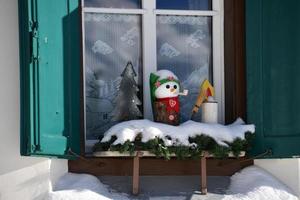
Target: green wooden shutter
(273,75)
(50,77)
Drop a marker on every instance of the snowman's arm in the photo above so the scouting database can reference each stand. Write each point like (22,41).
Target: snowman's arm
(184,93)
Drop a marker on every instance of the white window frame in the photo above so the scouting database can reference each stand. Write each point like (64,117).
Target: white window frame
(149,54)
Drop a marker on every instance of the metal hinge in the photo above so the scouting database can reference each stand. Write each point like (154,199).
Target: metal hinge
(33,41)
(34,56)
(33,25)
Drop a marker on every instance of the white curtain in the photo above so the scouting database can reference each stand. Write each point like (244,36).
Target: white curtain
(111,41)
(184,46)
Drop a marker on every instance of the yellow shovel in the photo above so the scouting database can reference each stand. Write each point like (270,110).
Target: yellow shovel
(206,90)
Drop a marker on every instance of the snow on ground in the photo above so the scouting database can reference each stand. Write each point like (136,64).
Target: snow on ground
(83,187)
(255,183)
(252,183)
(179,134)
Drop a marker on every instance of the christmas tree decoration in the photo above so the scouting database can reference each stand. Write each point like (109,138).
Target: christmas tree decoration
(165,89)
(127,101)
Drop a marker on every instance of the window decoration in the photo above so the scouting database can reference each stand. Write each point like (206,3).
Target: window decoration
(102,48)
(168,51)
(130,36)
(165,90)
(126,100)
(185,20)
(111,41)
(96,17)
(184,45)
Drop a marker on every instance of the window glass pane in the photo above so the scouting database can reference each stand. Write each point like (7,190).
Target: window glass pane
(113,3)
(184,46)
(111,42)
(184,4)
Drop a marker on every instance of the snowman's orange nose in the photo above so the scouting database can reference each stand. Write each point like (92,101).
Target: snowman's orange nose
(172,90)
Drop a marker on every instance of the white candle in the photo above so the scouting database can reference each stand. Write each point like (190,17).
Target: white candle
(210,111)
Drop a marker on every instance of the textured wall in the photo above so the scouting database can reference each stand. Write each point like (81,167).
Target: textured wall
(286,170)
(20,177)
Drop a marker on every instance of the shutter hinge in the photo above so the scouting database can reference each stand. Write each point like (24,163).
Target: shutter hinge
(33,25)
(34,56)
(33,41)
(36,148)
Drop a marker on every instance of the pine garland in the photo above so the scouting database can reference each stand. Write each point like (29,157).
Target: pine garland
(199,144)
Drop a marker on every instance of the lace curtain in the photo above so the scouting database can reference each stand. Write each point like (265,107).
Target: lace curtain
(184,46)
(111,41)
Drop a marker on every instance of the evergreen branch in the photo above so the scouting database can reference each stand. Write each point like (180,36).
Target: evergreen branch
(197,145)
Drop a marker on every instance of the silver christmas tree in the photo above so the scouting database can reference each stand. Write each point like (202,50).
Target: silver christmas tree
(127,101)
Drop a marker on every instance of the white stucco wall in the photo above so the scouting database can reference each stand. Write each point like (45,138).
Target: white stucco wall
(20,177)
(286,170)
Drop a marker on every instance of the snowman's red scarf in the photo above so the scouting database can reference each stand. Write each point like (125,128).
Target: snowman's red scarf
(172,103)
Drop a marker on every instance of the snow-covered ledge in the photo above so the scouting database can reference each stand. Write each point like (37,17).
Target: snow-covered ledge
(145,154)
(286,170)
(188,139)
(128,131)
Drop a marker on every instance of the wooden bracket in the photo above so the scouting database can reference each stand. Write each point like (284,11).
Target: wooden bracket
(139,154)
(136,172)
(204,173)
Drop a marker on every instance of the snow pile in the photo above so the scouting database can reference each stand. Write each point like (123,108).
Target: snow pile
(82,187)
(177,135)
(255,183)
(251,183)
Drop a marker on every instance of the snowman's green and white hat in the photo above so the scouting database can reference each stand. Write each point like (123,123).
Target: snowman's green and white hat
(160,77)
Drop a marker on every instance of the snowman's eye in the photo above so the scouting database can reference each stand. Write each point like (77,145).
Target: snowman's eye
(167,86)
(175,86)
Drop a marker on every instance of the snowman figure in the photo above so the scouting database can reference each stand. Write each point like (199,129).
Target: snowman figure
(165,91)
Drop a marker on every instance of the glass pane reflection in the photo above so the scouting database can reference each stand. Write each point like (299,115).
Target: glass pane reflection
(184,4)
(113,3)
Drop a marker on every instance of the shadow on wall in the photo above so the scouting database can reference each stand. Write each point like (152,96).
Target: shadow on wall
(32,182)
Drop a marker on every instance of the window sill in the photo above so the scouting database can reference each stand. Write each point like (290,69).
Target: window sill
(148,154)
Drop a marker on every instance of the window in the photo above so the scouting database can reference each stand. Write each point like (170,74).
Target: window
(50,62)
(185,37)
